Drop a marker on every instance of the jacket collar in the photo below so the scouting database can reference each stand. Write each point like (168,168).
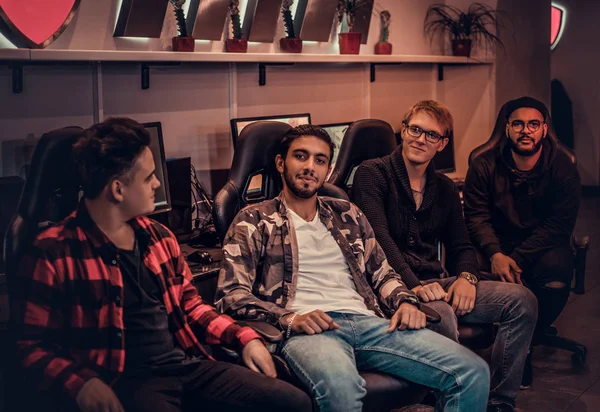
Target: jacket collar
(402,179)
(324,210)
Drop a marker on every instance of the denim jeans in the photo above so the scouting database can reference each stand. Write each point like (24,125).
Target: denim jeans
(328,363)
(514,307)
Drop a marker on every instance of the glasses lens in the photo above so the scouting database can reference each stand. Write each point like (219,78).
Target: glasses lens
(432,137)
(415,131)
(533,125)
(517,126)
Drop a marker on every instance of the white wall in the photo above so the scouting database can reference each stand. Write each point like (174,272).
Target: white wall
(575,63)
(524,68)
(196,101)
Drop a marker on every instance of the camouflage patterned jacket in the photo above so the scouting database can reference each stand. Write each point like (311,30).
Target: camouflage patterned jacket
(259,272)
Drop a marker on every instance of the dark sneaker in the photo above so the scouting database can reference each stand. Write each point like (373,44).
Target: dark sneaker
(527,372)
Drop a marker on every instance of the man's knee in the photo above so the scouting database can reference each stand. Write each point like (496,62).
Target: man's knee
(556,265)
(448,326)
(524,303)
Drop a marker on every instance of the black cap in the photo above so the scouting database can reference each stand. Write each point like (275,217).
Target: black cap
(525,101)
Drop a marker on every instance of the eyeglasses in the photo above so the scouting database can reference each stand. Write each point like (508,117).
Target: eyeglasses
(518,126)
(416,132)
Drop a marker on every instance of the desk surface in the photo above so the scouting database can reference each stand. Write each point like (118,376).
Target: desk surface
(199,270)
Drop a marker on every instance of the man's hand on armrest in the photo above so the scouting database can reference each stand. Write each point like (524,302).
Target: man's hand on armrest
(310,323)
(95,395)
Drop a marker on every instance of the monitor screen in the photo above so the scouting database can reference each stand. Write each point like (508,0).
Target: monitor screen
(162,199)
(444,160)
(237,125)
(336,132)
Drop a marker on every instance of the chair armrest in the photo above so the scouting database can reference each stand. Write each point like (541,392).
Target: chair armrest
(269,333)
(581,242)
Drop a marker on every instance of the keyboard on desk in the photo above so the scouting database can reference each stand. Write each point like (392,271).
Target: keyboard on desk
(198,269)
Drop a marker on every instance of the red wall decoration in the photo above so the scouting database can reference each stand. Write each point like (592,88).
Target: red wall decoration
(557,24)
(36,23)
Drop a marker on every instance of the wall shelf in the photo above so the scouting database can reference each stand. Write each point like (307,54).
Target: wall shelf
(19,57)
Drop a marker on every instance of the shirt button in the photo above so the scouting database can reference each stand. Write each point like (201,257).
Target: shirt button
(119,334)
(114,262)
(118,298)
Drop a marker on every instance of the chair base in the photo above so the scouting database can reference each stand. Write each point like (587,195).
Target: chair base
(551,339)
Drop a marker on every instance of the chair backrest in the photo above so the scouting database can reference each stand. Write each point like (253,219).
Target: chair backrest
(364,139)
(499,133)
(253,165)
(50,193)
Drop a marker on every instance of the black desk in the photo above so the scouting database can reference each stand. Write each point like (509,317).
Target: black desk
(205,276)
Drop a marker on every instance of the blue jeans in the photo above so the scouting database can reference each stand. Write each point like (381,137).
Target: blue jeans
(328,363)
(514,308)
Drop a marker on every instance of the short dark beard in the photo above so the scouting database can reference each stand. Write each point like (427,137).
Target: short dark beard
(525,152)
(299,190)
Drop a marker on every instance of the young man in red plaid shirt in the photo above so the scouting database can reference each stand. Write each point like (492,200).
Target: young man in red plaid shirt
(108,319)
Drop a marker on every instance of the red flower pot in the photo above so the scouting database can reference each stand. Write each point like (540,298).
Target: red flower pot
(288,45)
(236,45)
(383,48)
(461,47)
(349,43)
(183,44)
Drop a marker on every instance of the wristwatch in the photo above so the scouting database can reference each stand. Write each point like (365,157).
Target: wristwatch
(471,278)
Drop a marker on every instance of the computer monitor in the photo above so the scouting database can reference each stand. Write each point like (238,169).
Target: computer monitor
(162,200)
(444,160)
(237,125)
(336,131)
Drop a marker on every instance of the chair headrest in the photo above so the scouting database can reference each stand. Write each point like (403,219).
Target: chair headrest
(365,139)
(52,174)
(255,150)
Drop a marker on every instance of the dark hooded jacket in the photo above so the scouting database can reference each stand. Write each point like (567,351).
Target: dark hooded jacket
(521,214)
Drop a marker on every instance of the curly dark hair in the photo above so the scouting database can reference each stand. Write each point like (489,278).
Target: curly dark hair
(305,130)
(108,150)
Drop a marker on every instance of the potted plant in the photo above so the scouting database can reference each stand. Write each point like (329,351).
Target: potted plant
(182,42)
(236,44)
(290,43)
(463,27)
(383,47)
(349,41)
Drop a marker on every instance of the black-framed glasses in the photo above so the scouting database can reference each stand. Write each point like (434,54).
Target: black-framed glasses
(518,126)
(416,132)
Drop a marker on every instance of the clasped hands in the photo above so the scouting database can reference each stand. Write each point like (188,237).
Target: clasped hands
(461,295)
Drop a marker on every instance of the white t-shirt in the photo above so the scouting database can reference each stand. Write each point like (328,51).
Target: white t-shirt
(324,278)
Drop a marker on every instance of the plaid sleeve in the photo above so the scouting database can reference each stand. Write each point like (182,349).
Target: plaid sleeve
(39,325)
(204,319)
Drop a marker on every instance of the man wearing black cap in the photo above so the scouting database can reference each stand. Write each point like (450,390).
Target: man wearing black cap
(521,200)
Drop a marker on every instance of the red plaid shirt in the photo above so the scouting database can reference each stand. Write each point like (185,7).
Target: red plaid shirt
(69,313)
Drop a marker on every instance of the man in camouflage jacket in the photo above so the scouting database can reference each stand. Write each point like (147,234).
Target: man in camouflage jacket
(311,265)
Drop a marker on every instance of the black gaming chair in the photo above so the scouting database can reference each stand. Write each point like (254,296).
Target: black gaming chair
(254,154)
(50,194)
(364,139)
(580,244)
